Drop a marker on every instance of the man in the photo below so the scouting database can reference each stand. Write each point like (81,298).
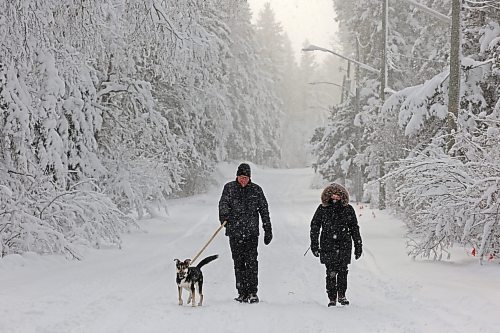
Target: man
(240,205)
(336,220)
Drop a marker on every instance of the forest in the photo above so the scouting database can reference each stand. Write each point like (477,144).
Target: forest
(110,108)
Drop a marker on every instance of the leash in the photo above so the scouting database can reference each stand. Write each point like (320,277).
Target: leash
(307,250)
(209,241)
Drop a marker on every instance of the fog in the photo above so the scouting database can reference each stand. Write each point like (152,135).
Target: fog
(303,19)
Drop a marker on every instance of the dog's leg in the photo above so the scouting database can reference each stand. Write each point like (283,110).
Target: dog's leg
(200,291)
(189,297)
(179,289)
(193,295)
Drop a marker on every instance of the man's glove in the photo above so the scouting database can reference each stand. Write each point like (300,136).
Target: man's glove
(268,236)
(357,252)
(315,251)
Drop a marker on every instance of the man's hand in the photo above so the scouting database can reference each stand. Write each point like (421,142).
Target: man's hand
(357,252)
(268,236)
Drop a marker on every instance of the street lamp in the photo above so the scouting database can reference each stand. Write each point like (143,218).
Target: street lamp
(345,92)
(322,49)
(383,77)
(454,96)
(369,68)
(326,82)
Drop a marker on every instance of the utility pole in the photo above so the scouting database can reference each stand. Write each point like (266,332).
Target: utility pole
(359,181)
(455,63)
(342,94)
(346,84)
(348,81)
(383,83)
(358,66)
(454,82)
(383,70)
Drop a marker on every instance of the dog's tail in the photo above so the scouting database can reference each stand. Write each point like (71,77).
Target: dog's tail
(207,260)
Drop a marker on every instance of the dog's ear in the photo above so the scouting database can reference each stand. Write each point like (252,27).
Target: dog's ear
(177,261)
(187,261)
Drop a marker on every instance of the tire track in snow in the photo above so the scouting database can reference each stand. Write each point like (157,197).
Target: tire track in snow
(133,289)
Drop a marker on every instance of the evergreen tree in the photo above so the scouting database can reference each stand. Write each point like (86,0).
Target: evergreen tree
(277,59)
(450,196)
(117,116)
(253,96)
(411,56)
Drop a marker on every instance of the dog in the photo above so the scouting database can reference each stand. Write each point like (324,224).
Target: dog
(191,279)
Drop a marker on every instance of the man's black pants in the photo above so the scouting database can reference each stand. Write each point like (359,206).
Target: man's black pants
(244,253)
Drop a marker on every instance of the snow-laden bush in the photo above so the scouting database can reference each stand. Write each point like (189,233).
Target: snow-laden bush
(447,201)
(140,102)
(451,196)
(37,215)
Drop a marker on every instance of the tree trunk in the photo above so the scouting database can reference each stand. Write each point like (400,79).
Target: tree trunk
(383,83)
(454,83)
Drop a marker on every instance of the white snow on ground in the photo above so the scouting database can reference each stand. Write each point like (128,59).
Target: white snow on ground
(133,289)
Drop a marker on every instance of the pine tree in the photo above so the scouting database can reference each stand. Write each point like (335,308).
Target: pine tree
(277,59)
(450,194)
(411,56)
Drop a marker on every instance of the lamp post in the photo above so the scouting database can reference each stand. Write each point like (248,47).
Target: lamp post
(454,92)
(358,187)
(322,49)
(326,82)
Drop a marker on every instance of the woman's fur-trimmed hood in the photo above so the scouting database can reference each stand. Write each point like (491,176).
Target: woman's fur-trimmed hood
(332,189)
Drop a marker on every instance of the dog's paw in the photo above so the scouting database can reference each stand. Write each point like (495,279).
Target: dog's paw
(180,302)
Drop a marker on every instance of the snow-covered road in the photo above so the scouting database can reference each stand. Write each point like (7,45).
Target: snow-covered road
(133,289)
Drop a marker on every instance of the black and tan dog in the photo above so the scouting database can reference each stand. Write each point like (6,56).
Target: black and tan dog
(191,278)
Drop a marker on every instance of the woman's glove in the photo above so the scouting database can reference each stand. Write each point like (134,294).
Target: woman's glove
(315,250)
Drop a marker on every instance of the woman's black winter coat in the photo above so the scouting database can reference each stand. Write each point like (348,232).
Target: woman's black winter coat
(240,207)
(339,229)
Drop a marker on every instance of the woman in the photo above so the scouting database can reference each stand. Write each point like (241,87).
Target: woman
(336,220)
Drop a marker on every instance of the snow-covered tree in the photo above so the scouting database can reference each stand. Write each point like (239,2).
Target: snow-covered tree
(452,196)
(278,61)
(253,96)
(301,110)
(109,107)
(412,56)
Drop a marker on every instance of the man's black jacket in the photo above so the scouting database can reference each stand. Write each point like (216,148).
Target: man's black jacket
(240,207)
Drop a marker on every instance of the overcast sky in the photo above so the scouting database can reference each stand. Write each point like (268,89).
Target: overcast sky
(303,19)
